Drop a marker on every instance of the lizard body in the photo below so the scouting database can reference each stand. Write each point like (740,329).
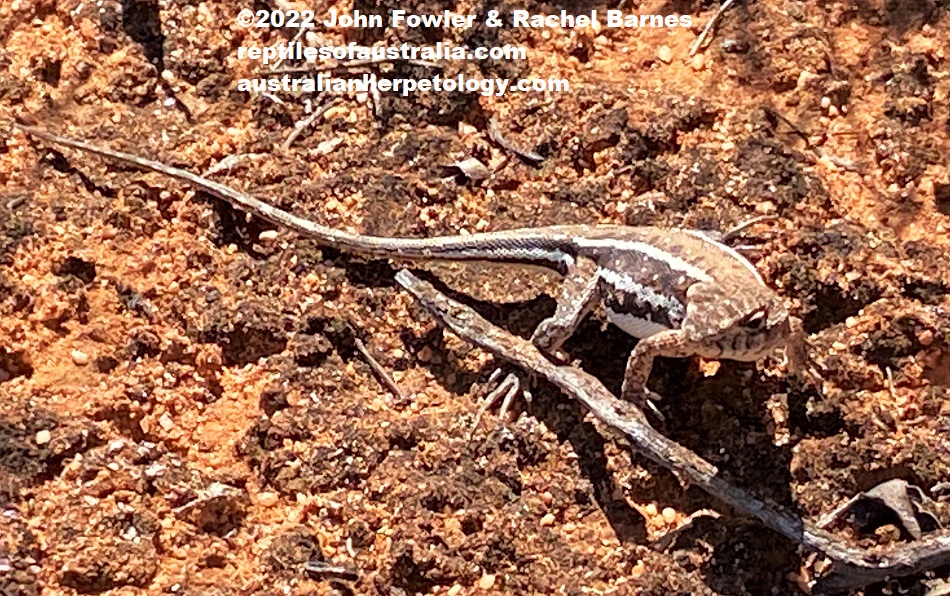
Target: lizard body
(679,291)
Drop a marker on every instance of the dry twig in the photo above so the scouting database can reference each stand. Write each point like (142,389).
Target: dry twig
(302,125)
(17,200)
(323,569)
(701,40)
(378,371)
(665,541)
(739,228)
(494,133)
(818,152)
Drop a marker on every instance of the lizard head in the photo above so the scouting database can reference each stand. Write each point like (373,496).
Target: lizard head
(739,324)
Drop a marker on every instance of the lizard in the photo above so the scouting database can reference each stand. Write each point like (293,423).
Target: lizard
(679,291)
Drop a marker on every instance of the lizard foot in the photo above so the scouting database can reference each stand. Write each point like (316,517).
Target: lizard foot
(643,398)
(548,338)
(505,391)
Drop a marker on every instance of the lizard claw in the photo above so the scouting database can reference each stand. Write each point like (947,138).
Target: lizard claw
(506,391)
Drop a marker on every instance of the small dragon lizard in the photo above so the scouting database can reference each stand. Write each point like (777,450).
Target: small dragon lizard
(679,291)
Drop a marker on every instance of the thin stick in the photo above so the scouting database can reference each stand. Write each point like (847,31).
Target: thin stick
(304,124)
(709,26)
(744,226)
(378,371)
(495,134)
(17,200)
(377,101)
(832,517)
(853,567)
(666,540)
(819,153)
(325,569)
(296,37)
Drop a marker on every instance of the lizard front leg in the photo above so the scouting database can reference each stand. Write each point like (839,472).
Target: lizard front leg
(673,343)
(579,292)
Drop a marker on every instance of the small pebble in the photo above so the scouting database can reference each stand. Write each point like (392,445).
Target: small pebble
(87,28)
(698,62)
(267,235)
(80,358)
(455,590)
(166,422)
(669,515)
(267,499)
(335,112)
(425,354)
(650,510)
(548,520)
(486,582)
(664,53)
(473,169)
(43,437)
(327,147)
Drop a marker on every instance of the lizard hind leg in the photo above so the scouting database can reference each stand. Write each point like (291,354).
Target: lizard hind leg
(579,292)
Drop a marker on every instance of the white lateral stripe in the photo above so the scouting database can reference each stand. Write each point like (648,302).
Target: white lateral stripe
(658,254)
(648,294)
(729,251)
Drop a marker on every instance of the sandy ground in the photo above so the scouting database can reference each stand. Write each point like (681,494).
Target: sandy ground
(182,409)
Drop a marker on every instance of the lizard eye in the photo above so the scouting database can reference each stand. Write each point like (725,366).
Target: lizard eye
(756,320)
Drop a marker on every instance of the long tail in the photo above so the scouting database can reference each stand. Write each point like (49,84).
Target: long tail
(525,245)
